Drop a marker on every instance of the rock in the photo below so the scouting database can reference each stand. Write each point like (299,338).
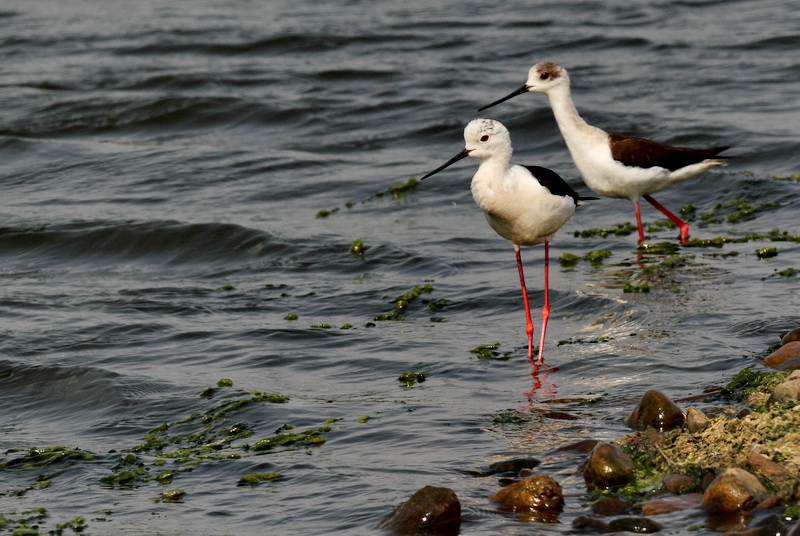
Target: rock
(586,522)
(744,412)
(540,492)
(430,510)
(674,503)
(514,465)
(787,357)
(795,530)
(732,491)
(608,467)
(696,421)
(656,410)
(640,525)
(585,445)
(787,390)
(769,526)
(758,460)
(611,506)
(678,483)
(790,336)
(173,495)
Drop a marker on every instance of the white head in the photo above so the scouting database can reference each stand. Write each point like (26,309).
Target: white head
(484,138)
(543,77)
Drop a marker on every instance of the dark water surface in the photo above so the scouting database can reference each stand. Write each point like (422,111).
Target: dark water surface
(162,165)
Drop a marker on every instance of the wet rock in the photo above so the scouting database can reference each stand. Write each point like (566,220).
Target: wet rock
(787,357)
(608,467)
(769,526)
(678,483)
(744,412)
(586,522)
(734,490)
(757,459)
(540,492)
(790,336)
(611,506)
(787,390)
(430,510)
(514,465)
(673,503)
(640,525)
(656,410)
(696,421)
(585,445)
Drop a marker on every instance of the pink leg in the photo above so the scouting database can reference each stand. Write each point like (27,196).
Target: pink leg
(638,221)
(682,225)
(546,308)
(529,322)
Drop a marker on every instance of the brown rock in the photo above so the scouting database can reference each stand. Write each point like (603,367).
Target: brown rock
(734,490)
(611,506)
(656,410)
(787,390)
(787,357)
(540,492)
(758,460)
(673,503)
(639,525)
(790,336)
(431,510)
(678,483)
(696,421)
(608,467)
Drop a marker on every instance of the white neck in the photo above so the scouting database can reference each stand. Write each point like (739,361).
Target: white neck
(569,121)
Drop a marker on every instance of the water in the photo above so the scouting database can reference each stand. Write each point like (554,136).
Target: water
(162,166)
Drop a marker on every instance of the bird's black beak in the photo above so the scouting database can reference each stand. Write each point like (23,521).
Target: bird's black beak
(456,158)
(520,91)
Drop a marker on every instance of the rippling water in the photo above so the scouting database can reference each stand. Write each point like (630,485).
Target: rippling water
(163,166)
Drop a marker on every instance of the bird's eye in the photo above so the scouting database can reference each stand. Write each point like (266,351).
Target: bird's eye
(544,76)
(485,137)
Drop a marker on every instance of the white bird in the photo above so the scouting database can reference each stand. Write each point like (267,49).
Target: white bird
(614,165)
(525,205)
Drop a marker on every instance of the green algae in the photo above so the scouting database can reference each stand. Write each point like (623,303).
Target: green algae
(291,316)
(569,259)
(395,191)
(77,524)
(659,248)
(671,262)
(636,289)
(223,382)
(322,326)
(766,253)
(733,211)
(789,272)
(410,378)
(748,381)
(489,351)
(795,178)
(257,478)
(308,438)
(27,524)
(363,418)
(597,257)
(619,229)
(403,301)
(172,495)
(358,248)
(227,287)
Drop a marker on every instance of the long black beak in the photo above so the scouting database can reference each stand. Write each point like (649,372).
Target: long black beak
(456,158)
(520,91)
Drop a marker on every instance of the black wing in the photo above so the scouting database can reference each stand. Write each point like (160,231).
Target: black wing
(553,182)
(644,153)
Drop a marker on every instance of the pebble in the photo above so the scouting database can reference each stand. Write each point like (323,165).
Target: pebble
(657,410)
(678,483)
(787,390)
(673,503)
(640,525)
(539,492)
(790,336)
(696,421)
(430,510)
(787,357)
(758,460)
(607,467)
(734,490)
(611,506)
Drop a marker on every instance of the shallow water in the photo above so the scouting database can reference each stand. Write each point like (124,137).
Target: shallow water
(162,168)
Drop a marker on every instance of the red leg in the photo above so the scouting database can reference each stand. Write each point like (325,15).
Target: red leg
(638,221)
(682,225)
(546,308)
(529,322)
